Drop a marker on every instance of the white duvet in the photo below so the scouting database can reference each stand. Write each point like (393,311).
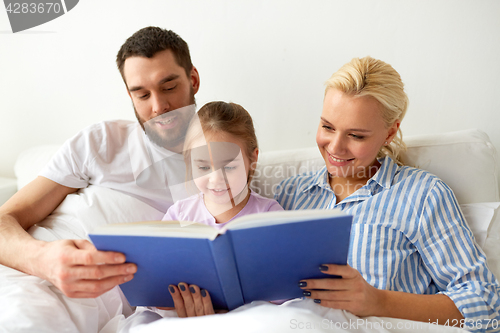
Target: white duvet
(30,304)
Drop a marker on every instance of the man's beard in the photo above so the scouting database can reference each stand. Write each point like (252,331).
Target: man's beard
(171,139)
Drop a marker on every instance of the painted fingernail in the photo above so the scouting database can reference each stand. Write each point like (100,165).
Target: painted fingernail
(323,268)
(302,284)
(203,293)
(191,289)
(183,287)
(306,293)
(172,289)
(317,301)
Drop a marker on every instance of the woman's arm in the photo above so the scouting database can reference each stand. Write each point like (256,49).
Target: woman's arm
(354,294)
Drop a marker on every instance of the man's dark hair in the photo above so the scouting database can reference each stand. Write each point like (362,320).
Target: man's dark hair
(151,40)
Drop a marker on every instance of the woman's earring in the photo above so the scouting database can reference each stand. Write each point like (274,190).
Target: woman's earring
(386,143)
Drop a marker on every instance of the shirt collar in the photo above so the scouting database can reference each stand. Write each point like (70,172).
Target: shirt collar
(385,174)
(320,179)
(383,177)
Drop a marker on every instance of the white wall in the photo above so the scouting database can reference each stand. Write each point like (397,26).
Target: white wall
(270,56)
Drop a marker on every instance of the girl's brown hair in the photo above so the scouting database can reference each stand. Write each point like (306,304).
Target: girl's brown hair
(222,117)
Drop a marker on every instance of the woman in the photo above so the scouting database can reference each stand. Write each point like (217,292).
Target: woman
(412,255)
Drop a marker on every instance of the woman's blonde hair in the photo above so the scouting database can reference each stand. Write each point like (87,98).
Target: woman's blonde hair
(371,77)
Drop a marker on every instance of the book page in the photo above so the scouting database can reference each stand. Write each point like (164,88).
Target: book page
(279,217)
(158,229)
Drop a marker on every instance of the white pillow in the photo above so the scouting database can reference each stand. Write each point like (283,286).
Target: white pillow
(491,245)
(31,161)
(88,208)
(465,160)
(479,217)
(484,221)
(273,167)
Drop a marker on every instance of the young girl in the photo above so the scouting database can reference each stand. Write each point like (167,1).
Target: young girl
(220,151)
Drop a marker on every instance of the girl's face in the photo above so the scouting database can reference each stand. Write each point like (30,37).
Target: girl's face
(351,133)
(221,168)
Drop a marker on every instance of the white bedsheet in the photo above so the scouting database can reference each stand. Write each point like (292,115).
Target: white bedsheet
(30,304)
(297,315)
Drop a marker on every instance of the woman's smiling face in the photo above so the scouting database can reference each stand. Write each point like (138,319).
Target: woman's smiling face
(350,134)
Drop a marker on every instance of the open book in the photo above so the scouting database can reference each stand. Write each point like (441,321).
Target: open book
(256,257)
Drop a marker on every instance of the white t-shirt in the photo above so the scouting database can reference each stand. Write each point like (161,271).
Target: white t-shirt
(118,155)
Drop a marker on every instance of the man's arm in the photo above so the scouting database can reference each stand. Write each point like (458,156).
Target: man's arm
(73,266)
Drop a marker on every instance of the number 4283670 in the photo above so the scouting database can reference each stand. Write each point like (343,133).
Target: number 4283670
(32,8)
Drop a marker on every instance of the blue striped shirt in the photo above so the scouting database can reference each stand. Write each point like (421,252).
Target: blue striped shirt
(409,235)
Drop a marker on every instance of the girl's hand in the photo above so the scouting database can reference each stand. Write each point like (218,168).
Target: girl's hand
(190,300)
(351,292)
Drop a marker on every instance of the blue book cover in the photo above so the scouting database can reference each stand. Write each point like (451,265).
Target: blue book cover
(255,257)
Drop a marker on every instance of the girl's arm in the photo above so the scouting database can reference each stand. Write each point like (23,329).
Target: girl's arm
(190,300)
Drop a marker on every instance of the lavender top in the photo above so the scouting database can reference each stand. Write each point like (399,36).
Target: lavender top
(194,209)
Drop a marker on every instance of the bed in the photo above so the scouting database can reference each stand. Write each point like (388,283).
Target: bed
(465,160)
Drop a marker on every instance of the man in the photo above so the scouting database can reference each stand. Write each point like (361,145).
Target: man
(161,81)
